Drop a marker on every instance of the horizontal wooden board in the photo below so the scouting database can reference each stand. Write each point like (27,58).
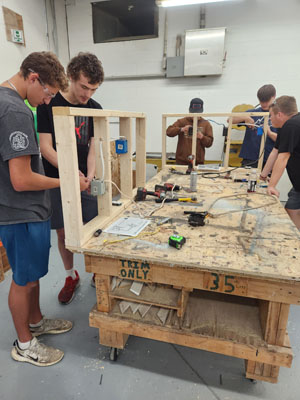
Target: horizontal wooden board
(269,354)
(159,296)
(257,288)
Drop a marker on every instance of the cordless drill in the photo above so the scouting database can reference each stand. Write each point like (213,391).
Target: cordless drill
(143,192)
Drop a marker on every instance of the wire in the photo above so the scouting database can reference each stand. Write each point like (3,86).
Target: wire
(237,196)
(128,197)
(102,159)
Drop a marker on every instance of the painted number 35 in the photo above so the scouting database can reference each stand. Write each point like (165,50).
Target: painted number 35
(228,286)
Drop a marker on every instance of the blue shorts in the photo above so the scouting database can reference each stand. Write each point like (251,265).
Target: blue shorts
(293,202)
(27,246)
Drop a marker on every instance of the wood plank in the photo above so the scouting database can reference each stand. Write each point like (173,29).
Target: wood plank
(194,139)
(12,20)
(228,142)
(158,296)
(274,355)
(262,144)
(68,170)
(140,152)
(112,339)
(102,140)
(286,292)
(126,182)
(204,115)
(102,292)
(183,303)
(164,142)
(93,112)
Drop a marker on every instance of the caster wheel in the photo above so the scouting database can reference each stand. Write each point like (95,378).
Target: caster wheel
(254,381)
(113,354)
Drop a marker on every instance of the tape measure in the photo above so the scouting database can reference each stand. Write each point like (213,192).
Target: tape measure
(177,241)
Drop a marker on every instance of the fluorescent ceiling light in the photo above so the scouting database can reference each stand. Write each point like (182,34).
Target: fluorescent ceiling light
(173,3)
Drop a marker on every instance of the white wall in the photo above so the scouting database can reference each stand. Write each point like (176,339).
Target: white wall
(35,30)
(262,39)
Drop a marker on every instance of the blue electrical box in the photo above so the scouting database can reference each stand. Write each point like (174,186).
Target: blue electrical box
(260,131)
(121,146)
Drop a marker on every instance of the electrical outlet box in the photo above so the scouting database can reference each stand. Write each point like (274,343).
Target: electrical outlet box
(97,187)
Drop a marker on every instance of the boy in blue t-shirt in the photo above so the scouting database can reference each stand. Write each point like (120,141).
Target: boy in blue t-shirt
(251,144)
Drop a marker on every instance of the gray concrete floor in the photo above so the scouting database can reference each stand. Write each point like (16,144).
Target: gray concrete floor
(145,369)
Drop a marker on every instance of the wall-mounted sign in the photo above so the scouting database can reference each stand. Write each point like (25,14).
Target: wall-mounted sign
(17,36)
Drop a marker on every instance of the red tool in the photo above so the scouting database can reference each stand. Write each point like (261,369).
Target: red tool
(143,192)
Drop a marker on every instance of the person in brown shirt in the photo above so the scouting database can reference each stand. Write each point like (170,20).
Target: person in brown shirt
(183,128)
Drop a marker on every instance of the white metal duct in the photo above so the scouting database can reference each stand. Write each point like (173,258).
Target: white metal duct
(204,51)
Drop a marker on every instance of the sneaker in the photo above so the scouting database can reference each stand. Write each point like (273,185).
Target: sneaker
(52,326)
(67,293)
(37,354)
(93,284)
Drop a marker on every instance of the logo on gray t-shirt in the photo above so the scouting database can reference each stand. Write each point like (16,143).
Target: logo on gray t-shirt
(18,141)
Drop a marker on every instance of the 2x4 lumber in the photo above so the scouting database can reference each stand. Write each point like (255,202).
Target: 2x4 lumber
(102,138)
(92,112)
(184,297)
(126,159)
(102,283)
(274,355)
(262,144)
(228,142)
(164,142)
(140,152)
(69,177)
(194,139)
(225,115)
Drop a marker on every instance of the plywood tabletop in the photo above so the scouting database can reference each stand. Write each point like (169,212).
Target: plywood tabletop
(261,242)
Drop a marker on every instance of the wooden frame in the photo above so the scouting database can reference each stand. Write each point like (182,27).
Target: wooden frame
(195,117)
(76,232)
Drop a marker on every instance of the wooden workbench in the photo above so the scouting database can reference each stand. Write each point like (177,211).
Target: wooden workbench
(228,289)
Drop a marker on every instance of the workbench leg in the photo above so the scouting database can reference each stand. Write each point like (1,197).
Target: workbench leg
(112,339)
(274,318)
(102,283)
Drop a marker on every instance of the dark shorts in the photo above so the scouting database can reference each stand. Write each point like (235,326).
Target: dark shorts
(27,246)
(293,202)
(89,208)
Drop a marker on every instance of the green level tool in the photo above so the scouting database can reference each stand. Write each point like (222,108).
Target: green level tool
(177,241)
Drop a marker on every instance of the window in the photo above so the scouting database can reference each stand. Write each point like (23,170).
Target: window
(116,20)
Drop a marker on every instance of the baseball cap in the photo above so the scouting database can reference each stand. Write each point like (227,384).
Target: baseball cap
(196,106)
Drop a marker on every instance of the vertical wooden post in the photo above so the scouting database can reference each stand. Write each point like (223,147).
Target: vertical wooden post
(274,319)
(102,292)
(140,152)
(69,178)
(228,142)
(164,143)
(194,139)
(102,139)
(126,159)
(262,144)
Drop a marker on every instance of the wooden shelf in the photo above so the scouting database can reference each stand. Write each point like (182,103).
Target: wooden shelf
(161,296)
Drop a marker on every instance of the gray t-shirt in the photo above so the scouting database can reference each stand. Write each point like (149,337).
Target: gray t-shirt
(17,139)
